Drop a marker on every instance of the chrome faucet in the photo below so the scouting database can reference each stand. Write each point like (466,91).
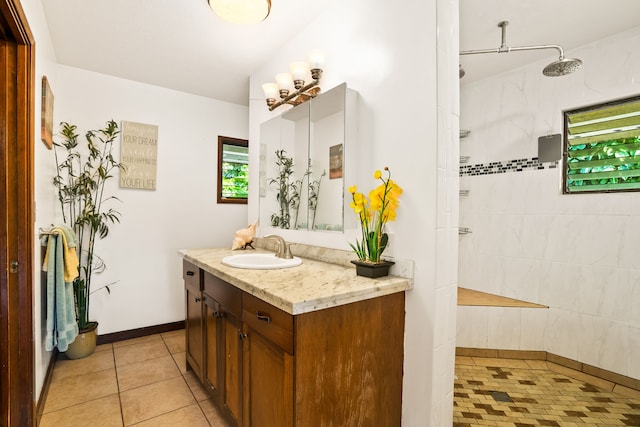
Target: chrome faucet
(284,251)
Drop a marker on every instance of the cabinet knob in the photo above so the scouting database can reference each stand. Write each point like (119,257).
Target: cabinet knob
(198,299)
(217,315)
(190,273)
(242,335)
(264,317)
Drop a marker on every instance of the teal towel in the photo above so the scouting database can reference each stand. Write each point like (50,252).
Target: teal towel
(61,324)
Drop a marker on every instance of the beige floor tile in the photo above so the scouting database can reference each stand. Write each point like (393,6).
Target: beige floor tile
(181,361)
(139,352)
(103,412)
(173,333)
(212,413)
(143,403)
(590,379)
(103,347)
(198,390)
(190,416)
(503,363)
(80,388)
(464,360)
(146,372)
(175,343)
(537,364)
(626,391)
(136,340)
(96,362)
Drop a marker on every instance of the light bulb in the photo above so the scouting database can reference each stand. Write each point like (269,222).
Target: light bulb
(270,90)
(285,81)
(299,70)
(316,59)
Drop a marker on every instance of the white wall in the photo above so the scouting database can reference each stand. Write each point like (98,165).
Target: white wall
(531,242)
(141,251)
(379,49)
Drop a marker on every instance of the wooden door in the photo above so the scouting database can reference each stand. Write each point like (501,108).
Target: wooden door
(17,400)
(268,383)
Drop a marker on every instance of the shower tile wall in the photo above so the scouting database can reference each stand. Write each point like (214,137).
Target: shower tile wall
(530,242)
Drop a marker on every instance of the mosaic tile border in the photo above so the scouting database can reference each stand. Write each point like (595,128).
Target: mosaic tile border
(517,165)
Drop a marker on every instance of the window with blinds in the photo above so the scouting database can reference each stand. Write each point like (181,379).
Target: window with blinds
(602,147)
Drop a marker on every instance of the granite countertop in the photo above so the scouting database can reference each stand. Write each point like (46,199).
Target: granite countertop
(312,286)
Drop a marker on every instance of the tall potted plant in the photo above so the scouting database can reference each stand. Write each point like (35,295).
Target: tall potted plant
(82,173)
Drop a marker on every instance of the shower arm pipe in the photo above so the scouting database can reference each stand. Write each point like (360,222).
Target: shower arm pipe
(506,49)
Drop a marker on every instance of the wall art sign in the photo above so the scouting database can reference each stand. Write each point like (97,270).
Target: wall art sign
(138,153)
(46,121)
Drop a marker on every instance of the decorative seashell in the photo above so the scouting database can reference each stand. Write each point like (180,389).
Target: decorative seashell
(244,237)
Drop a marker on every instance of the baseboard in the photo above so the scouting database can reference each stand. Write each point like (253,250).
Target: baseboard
(140,332)
(610,376)
(45,386)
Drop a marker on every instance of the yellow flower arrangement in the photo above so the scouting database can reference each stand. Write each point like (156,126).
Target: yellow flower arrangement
(382,208)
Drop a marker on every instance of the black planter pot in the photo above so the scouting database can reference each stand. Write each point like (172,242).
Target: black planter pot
(371,269)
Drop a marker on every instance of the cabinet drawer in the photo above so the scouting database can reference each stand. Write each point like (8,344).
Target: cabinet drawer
(191,275)
(269,321)
(225,293)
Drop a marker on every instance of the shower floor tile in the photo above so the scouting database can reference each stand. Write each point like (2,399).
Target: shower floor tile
(514,395)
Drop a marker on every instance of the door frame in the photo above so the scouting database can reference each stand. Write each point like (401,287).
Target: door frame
(17,95)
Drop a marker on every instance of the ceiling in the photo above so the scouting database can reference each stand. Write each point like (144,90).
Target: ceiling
(182,45)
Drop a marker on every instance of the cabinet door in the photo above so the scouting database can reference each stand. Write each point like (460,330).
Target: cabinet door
(212,325)
(194,330)
(268,383)
(232,336)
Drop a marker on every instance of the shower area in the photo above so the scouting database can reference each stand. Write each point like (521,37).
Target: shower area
(574,255)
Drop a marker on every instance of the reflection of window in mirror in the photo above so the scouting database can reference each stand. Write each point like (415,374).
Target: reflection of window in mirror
(233,170)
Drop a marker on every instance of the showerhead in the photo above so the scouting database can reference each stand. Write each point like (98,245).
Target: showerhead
(562,67)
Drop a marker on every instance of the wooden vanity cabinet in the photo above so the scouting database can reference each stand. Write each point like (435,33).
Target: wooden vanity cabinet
(268,366)
(192,277)
(339,366)
(223,348)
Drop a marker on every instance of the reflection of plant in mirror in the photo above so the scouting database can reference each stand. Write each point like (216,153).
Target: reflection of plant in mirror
(296,192)
(285,170)
(314,192)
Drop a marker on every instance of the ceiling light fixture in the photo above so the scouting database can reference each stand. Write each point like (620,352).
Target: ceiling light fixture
(241,11)
(299,72)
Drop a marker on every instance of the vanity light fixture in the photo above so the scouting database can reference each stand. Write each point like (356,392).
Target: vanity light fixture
(290,87)
(241,11)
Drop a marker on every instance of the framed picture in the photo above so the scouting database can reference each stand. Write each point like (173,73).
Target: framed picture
(46,128)
(335,161)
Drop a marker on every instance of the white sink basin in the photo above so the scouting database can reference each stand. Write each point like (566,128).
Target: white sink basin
(260,261)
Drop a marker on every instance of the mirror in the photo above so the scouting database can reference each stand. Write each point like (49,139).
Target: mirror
(302,165)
